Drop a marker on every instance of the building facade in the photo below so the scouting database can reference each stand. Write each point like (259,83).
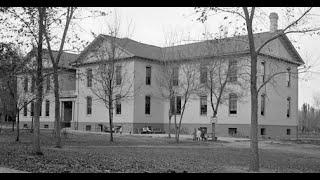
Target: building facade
(137,69)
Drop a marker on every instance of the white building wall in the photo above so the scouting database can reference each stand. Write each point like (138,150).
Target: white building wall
(99,111)
(277,93)
(141,90)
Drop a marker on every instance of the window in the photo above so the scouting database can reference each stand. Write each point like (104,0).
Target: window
(232,131)
(25,125)
(48,83)
(175,106)
(32,109)
(263,131)
(148,75)
(40,110)
(47,107)
(233,103)
(263,71)
(88,127)
(118,104)
(46,126)
(263,102)
(175,76)
(26,84)
(288,131)
(172,105)
(147,105)
(25,109)
(288,77)
(33,81)
(118,75)
(178,108)
(203,105)
(89,77)
(233,71)
(203,75)
(89,105)
(288,106)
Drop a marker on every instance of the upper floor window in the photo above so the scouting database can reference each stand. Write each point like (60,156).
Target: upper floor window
(175,76)
(89,105)
(47,107)
(233,70)
(118,104)
(25,109)
(32,109)
(48,83)
(33,83)
(26,84)
(203,74)
(178,105)
(89,77)
(148,75)
(288,106)
(262,66)
(233,98)
(288,77)
(263,102)
(118,75)
(203,105)
(147,104)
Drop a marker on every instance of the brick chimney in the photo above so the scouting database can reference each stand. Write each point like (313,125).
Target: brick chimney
(273,21)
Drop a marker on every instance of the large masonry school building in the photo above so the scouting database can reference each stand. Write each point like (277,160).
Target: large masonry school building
(139,67)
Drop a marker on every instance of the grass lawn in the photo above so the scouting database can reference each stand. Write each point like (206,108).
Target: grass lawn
(84,152)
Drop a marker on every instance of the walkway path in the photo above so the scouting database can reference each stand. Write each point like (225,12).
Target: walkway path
(8,170)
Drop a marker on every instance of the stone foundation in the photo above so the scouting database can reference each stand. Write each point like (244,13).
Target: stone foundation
(242,130)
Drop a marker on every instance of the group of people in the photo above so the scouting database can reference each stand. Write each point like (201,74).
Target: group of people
(199,135)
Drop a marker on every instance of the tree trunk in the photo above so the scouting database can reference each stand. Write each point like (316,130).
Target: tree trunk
(254,161)
(176,128)
(57,122)
(18,128)
(36,129)
(31,130)
(13,125)
(0,122)
(111,119)
(254,165)
(214,126)
(169,132)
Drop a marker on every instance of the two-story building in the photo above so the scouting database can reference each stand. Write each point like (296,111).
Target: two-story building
(139,67)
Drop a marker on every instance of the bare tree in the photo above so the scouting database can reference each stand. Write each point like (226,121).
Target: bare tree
(167,78)
(111,81)
(248,15)
(55,62)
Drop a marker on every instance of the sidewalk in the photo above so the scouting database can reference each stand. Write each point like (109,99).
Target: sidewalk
(8,170)
(182,136)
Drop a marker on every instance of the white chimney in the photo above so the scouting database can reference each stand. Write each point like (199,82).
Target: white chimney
(273,21)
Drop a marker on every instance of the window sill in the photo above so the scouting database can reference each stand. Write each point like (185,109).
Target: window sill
(233,115)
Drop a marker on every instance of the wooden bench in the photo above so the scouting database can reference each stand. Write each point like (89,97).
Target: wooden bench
(210,136)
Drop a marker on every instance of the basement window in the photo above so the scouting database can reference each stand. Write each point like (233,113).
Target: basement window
(288,131)
(232,131)
(88,127)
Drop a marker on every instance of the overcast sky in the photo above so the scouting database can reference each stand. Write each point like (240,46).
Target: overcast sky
(150,25)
